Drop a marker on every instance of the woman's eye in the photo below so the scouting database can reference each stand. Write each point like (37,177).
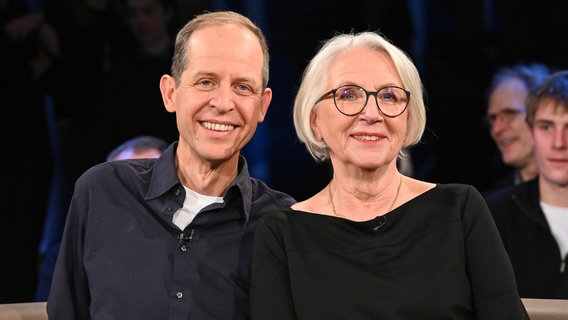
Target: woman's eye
(348,95)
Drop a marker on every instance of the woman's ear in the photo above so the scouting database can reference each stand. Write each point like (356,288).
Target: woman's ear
(314,124)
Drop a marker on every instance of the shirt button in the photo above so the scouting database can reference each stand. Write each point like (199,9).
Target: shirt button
(179,295)
(183,248)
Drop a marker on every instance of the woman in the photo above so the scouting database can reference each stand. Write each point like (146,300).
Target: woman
(374,244)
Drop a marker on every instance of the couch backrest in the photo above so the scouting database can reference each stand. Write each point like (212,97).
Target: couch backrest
(23,311)
(546,309)
(538,309)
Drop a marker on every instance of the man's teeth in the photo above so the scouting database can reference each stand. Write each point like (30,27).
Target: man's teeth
(218,126)
(367,138)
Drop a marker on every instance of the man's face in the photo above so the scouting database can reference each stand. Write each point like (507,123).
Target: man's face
(506,113)
(220,99)
(550,135)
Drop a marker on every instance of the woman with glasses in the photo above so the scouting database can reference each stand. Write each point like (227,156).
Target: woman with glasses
(374,244)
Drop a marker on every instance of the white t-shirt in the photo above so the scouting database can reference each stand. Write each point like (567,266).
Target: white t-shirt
(192,204)
(557,218)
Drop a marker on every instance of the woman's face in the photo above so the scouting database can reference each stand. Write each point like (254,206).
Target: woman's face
(368,140)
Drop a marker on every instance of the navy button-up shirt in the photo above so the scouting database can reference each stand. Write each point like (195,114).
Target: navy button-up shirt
(123,258)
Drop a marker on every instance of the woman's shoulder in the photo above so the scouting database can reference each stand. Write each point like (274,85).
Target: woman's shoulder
(415,187)
(419,189)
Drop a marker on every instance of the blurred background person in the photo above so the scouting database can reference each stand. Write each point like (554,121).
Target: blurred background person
(506,114)
(532,217)
(138,148)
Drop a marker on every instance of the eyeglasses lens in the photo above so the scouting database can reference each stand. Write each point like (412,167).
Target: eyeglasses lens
(351,100)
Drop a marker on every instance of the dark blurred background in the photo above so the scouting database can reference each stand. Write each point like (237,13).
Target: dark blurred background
(62,114)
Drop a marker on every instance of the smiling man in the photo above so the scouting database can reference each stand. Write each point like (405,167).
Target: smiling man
(532,217)
(171,238)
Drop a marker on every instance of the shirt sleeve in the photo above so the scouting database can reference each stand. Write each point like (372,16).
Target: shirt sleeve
(69,294)
(270,296)
(491,273)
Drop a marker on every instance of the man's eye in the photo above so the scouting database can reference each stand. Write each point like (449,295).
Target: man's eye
(244,89)
(205,85)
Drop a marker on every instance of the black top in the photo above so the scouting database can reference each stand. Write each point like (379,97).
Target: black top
(123,258)
(534,253)
(438,256)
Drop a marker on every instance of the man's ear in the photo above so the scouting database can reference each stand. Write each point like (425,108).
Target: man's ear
(265,99)
(168,88)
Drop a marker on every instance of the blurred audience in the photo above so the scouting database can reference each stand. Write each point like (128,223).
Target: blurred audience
(25,65)
(532,217)
(93,37)
(506,113)
(131,103)
(88,37)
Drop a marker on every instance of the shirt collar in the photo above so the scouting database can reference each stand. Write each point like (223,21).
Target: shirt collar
(164,177)
(243,184)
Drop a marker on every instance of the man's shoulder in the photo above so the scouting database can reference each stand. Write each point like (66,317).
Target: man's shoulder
(507,201)
(523,190)
(265,194)
(118,169)
(499,185)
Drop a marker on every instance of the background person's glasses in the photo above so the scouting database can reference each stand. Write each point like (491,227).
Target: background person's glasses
(351,99)
(505,116)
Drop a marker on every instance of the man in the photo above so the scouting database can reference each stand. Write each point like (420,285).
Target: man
(171,238)
(533,216)
(506,113)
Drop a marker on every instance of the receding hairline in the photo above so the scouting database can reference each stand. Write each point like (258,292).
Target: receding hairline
(218,18)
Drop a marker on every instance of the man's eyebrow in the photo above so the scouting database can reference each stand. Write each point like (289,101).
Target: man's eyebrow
(246,79)
(215,75)
(205,73)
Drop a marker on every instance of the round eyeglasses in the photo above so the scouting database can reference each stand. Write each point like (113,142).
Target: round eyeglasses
(351,99)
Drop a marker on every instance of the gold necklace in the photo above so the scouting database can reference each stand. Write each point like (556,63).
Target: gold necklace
(341,216)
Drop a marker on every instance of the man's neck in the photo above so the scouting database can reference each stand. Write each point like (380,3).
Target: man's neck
(206,178)
(553,193)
